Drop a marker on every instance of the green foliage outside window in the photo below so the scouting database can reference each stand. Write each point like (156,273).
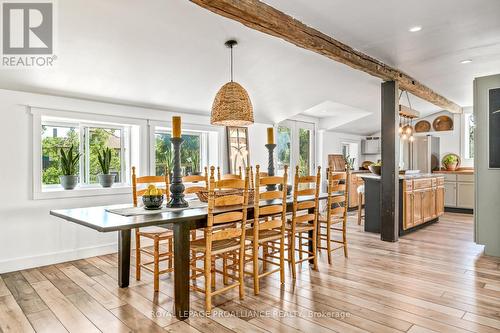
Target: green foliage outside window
(190,153)
(51,146)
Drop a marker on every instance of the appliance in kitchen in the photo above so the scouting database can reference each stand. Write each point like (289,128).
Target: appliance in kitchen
(421,154)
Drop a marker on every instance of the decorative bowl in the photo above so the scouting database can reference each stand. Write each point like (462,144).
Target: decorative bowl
(375,169)
(152,202)
(442,123)
(422,126)
(288,188)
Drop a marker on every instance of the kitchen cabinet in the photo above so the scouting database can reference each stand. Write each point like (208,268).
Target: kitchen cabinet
(459,190)
(370,146)
(423,201)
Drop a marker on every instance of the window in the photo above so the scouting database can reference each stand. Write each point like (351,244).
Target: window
(469,135)
(53,139)
(87,139)
(191,152)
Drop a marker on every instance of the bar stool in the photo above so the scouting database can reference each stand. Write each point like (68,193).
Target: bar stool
(361,194)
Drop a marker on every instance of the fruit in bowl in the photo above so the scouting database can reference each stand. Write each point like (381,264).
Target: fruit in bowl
(376,168)
(152,198)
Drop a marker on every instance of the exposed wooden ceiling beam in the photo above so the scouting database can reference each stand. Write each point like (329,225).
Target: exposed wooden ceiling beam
(264,18)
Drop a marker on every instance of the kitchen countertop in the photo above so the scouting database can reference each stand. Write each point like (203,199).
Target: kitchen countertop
(457,172)
(405,177)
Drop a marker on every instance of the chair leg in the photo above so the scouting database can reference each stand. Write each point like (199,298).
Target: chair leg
(315,248)
(156,274)
(170,250)
(282,260)
(212,271)
(292,254)
(344,236)
(208,281)
(193,253)
(137,256)
(225,280)
(255,258)
(329,241)
(300,245)
(241,273)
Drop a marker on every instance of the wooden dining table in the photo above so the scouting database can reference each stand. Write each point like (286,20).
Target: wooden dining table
(181,222)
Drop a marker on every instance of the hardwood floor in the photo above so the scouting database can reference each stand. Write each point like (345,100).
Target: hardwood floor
(433,280)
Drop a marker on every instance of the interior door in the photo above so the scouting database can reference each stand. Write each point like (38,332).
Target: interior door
(295,147)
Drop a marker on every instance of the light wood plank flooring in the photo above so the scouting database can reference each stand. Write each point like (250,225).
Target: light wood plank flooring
(433,280)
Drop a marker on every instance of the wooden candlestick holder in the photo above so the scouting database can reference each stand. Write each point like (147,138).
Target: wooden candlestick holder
(177,187)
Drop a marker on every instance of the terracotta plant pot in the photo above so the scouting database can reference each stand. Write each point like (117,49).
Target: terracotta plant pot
(451,166)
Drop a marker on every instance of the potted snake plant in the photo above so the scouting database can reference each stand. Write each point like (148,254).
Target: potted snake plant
(104,157)
(69,165)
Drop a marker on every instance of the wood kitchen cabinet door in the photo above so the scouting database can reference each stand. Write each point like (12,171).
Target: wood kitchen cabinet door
(440,201)
(428,204)
(408,209)
(418,217)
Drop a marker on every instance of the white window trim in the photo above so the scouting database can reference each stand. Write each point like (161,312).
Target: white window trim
(206,158)
(41,192)
(465,137)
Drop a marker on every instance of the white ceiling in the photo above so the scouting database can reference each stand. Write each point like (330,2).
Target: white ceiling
(170,54)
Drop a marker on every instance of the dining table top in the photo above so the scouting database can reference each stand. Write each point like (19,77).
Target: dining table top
(101,219)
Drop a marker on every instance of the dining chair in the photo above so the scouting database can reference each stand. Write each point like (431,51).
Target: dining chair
(268,231)
(219,242)
(229,175)
(157,235)
(199,183)
(336,214)
(304,220)
(361,194)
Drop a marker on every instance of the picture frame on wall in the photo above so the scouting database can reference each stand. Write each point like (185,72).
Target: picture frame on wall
(493,128)
(238,154)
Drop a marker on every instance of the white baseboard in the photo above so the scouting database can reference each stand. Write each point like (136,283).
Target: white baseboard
(16,264)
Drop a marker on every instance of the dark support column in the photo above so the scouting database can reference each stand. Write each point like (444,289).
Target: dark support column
(389,195)
(123,258)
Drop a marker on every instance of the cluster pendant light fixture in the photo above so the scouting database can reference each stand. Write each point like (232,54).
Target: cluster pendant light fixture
(406,122)
(232,105)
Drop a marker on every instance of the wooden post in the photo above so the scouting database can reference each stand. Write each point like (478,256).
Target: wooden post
(389,228)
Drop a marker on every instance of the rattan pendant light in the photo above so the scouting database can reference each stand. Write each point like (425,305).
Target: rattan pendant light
(232,105)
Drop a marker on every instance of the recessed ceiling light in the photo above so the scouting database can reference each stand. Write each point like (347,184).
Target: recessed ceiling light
(466,61)
(415,28)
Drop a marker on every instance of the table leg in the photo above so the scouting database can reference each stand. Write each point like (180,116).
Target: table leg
(181,269)
(123,258)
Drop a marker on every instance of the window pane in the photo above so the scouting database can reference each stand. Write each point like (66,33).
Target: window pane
(100,138)
(470,136)
(304,151)
(53,139)
(190,153)
(284,148)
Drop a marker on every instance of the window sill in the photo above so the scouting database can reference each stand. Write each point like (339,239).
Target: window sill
(79,192)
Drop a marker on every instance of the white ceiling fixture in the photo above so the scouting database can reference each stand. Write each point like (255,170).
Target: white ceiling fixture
(416,28)
(466,61)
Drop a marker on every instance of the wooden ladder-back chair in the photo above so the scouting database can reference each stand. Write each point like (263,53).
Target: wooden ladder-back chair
(307,223)
(268,229)
(336,214)
(153,233)
(229,175)
(222,243)
(201,183)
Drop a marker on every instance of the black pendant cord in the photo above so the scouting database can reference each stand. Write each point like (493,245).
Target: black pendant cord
(231,63)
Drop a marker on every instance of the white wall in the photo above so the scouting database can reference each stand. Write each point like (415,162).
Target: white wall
(331,143)
(29,236)
(452,141)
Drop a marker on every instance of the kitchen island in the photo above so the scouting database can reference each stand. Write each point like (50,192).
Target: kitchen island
(421,201)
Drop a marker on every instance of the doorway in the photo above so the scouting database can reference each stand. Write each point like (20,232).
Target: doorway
(295,147)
